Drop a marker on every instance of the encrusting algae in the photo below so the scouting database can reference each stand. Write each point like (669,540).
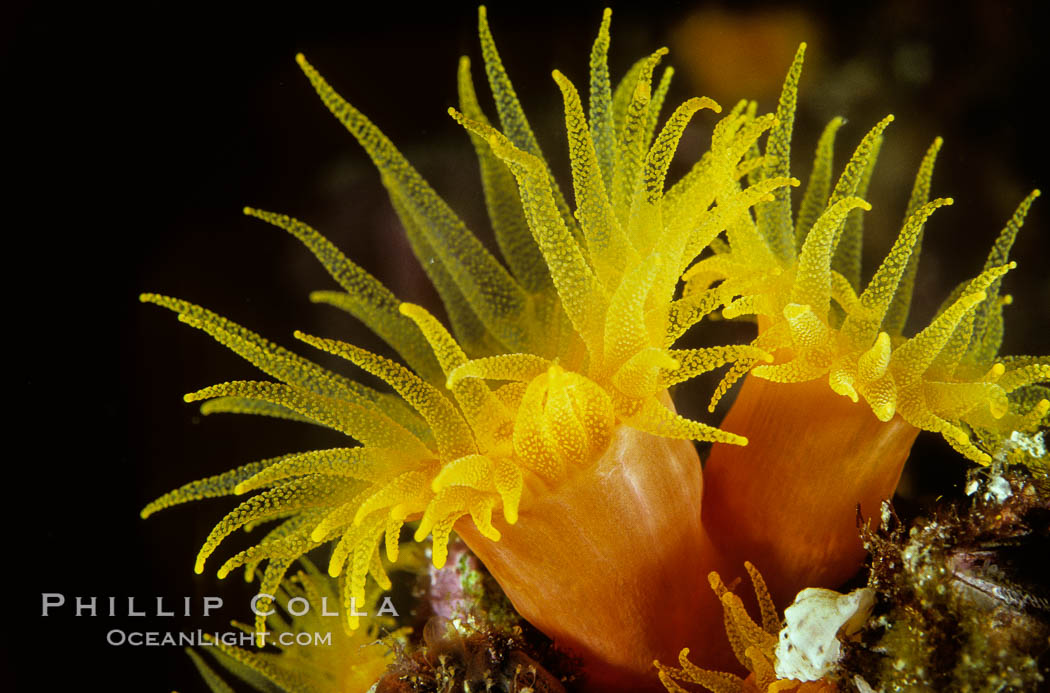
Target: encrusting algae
(539,427)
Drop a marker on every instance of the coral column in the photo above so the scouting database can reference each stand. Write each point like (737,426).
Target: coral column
(612,563)
(788,501)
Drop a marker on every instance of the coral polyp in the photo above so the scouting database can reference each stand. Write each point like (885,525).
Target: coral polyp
(753,644)
(793,497)
(348,661)
(539,425)
(547,367)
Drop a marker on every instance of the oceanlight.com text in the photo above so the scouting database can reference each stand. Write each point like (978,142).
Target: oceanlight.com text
(200,638)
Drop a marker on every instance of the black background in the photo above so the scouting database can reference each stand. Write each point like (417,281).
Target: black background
(134,137)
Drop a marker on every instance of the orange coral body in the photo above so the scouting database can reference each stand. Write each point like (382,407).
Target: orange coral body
(789,499)
(609,563)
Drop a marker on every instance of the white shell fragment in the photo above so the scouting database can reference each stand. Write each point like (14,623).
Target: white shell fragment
(808,646)
(999,489)
(862,685)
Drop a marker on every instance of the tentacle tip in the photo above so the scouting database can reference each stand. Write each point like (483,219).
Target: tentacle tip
(883,414)
(793,311)
(199,568)
(240,488)
(455,376)
(300,60)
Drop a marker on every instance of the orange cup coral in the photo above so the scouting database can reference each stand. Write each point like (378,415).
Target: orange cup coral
(600,563)
(792,498)
(540,426)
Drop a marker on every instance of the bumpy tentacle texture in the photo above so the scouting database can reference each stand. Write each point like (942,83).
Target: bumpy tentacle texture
(559,355)
(548,356)
(817,451)
(802,280)
(753,645)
